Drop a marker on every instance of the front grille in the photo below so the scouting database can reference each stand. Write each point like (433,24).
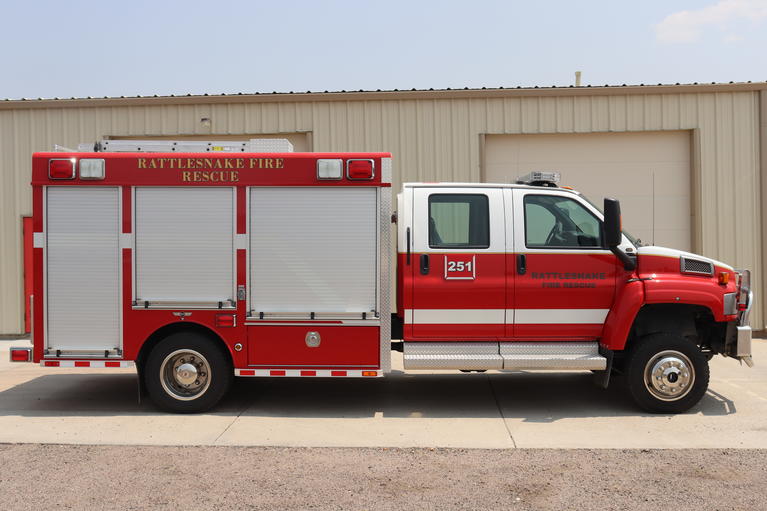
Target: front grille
(697,266)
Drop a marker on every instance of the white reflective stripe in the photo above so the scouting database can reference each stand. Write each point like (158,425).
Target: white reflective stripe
(560,316)
(240,241)
(126,240)
(456,316)
(38,240)
(507,316)
(320,373)
(91,363)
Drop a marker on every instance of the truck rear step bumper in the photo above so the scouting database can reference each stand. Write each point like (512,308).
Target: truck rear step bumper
(504,355)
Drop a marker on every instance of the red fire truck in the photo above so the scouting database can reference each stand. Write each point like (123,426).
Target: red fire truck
(198,262)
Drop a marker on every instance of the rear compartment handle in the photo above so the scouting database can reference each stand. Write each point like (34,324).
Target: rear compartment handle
(424,264)
(521,264)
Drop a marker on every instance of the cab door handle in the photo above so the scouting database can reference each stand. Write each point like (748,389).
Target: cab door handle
(424,264)
(521,264)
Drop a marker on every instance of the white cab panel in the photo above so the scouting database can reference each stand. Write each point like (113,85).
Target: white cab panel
(82,277)
(313,250)
(184,245)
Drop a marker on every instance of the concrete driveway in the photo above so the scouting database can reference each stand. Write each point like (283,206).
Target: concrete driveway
(404,409)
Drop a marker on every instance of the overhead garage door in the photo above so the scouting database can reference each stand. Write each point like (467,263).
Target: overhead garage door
(648,171)
(301,141)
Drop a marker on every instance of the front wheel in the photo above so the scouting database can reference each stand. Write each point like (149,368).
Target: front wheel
(666,373)
(187,373)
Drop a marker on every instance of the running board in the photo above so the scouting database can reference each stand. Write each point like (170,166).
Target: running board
(505,355)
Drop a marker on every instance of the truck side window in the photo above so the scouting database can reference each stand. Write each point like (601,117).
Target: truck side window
(560,222)
(459,221)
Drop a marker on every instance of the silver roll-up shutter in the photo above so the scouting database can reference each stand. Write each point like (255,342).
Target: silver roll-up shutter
(184,245)
(313,250)
(82,277)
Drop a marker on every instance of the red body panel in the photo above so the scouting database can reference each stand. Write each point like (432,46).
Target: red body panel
(285,346)
(344,346)
(665,284)
(191,169)
(629,299)
(563,281)
(439,290)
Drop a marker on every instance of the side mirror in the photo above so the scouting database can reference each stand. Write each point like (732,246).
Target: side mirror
(613,236)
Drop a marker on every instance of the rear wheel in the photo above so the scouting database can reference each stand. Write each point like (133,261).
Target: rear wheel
(187,373)
(666,373)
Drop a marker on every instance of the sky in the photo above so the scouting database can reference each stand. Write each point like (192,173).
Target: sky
(135,47)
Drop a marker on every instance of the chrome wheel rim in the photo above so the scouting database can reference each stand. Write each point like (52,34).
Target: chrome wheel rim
(185,375)
(669,375)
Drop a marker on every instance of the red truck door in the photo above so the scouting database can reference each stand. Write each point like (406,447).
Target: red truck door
(564,283)
(459,266)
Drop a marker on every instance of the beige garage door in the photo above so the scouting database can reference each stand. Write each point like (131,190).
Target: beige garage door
(648,171)
(301,141)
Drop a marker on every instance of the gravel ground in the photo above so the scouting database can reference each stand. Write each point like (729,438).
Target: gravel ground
(116,477)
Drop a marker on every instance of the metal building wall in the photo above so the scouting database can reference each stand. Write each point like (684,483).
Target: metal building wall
(434,136)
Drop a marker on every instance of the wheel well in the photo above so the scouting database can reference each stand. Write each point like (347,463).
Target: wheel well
(174,328)
(688,321)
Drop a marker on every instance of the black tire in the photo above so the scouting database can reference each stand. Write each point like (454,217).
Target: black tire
(666,373)
(187,372)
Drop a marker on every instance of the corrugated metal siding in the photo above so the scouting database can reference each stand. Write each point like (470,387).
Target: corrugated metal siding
(431,139)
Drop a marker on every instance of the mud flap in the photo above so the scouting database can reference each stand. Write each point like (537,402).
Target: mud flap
(141,387)
(602,378)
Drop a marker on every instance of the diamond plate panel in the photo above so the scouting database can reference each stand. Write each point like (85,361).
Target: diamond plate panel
(452,355)
(451,348)
(555,362)
(453,362)
(548,349)
(384,279)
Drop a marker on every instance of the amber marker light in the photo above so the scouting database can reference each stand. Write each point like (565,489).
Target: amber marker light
(724,278)
(369,373)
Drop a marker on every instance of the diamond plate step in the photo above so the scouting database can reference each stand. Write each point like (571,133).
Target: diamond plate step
(504,355)
(452,355)
(552,355)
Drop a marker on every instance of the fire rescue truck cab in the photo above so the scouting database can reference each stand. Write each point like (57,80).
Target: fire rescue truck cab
(197,262)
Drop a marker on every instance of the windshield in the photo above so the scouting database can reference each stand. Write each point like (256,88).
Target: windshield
(635,241)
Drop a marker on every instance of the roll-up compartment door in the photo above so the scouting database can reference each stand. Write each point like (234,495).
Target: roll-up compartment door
(184,246)
(313,250)
(82,272)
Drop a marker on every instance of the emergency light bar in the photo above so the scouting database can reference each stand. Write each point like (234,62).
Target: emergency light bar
(539,178)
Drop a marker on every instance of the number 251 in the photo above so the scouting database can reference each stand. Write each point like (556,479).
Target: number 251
(459,266)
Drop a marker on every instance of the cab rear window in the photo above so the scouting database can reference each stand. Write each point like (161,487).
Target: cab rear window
(459,221)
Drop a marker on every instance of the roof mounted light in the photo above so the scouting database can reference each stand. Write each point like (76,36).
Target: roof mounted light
(62,168)
(330,169)
(92,168)
(540,178)
(360,169)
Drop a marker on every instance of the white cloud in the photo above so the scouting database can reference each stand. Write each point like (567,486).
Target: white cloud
(687,26)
